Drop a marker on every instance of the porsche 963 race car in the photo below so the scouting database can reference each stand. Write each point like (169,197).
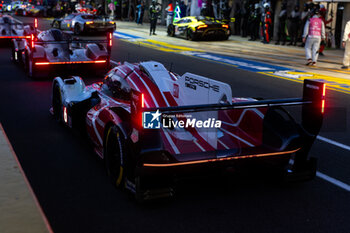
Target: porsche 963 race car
(151,125)
(11,28)
(54,50)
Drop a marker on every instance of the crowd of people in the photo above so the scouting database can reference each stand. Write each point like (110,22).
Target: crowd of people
(254,20)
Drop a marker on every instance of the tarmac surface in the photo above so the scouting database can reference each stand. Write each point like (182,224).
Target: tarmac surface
(75,194)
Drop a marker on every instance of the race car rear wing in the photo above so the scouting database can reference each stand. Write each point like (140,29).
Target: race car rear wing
(277,136)
(33,28)
(108,41)
(313,105)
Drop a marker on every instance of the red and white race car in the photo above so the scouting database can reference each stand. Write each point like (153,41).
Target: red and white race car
(47,52)
(11,28)
(150,125)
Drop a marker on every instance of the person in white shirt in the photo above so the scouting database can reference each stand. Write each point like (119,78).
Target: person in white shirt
(314,32)
(346,45)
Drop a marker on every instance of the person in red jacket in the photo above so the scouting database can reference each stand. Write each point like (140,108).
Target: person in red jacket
(267,24)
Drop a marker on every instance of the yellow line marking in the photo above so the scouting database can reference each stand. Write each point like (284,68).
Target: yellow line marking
(340,71)
(331,86)
(174,46)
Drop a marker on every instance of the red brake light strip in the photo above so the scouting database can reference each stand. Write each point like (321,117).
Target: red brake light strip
(14,37)
(323,103)
(219,159)
(68,62)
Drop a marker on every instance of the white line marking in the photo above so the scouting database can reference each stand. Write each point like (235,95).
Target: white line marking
(333,181)
(345,147)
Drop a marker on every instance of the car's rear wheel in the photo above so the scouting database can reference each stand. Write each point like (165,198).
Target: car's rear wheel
(57,101)
(76,29)
(190,35)
(114,149)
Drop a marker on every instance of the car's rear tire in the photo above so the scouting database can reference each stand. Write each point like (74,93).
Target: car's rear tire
(190,35)
(76,29)
(57,102)
(114,149)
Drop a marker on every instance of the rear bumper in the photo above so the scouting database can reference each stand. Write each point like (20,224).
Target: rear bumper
(213,33)
(91,28)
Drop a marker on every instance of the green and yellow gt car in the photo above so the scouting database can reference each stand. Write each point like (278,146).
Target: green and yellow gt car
(199,27)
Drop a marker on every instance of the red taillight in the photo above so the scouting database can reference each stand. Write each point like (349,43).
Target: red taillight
(35,23)
(32,41)
(142,100)
(65,115)
(202,26)
(225,26)
(68,62)
(323,103)
(42,63)
(142,106)
(110,39)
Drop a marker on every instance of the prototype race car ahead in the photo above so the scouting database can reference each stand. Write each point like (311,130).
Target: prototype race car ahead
(199,27)
(151,125)
(84,23)
(54,50)
(14,29)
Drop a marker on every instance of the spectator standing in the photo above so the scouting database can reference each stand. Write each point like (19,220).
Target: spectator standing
(282,19)
(254,21)
(153,12)
(183,9)
(295,18)
(140,12)
(267,23)
(323,13)
(346,45)
(245,15)
(237,16)
(305,15)
(314,32)
(169,13)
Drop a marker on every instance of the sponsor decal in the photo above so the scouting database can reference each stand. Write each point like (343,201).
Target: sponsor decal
(151,120)
(155,120)
(192,83)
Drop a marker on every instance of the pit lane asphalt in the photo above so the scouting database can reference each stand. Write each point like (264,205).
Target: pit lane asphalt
(72,187)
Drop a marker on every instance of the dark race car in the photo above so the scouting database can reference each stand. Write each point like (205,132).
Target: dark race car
(53,50)
(199,27)
(150,126)
(84,23)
